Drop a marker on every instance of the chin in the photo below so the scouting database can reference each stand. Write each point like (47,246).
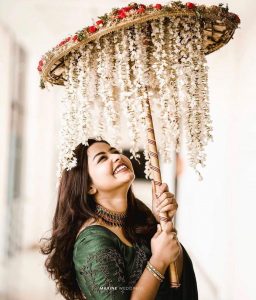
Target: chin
(128,178)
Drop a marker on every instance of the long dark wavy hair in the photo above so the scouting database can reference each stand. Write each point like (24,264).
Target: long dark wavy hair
(74,207)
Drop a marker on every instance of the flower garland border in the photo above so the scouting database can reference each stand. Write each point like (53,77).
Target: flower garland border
(144,13)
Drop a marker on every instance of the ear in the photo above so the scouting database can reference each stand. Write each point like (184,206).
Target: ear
(92,190)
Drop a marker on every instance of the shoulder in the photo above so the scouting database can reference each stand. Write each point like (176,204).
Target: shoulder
(90,221)
(92,239)
(93,244)
(93,234)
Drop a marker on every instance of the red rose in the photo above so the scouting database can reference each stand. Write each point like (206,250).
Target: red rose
(121,11)
(75,38)
(190,5)
(142,6)
(39,68)
(121,15)
(158,6)
(99,22)
(62,43)
(41,63)
(127,9)
(92,29)
(67,39)
(237,18)
(141,10)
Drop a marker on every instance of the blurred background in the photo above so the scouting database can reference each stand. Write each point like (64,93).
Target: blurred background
(216,217)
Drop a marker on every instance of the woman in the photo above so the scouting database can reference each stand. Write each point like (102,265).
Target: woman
(105,243)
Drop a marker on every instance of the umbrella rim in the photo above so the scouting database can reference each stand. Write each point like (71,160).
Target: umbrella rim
(57,55)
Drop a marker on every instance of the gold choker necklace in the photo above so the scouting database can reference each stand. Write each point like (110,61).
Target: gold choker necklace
(110,217)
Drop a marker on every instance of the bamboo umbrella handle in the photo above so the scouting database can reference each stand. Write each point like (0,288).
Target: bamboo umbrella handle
(155,168)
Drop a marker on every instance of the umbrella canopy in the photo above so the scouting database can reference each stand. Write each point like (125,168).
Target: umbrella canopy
(112,68)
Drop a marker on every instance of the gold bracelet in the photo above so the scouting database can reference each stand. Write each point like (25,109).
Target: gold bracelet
(155,270)
(152,272)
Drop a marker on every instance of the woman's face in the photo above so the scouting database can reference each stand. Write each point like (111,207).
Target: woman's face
(109,170)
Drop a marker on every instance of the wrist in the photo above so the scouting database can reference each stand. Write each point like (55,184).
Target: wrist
(158,263)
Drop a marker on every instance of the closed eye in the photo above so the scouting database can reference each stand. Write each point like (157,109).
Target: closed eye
(101,158)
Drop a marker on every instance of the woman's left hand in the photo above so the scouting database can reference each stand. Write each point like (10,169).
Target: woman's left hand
(163,201)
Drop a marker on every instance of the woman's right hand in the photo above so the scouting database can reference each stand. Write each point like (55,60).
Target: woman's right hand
(165,247)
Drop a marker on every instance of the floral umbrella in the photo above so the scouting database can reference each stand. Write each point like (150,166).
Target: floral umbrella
(132,61)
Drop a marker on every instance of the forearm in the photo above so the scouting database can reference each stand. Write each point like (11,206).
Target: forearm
(148,285)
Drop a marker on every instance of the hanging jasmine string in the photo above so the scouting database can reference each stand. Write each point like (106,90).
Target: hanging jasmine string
(111,218)
(108,65)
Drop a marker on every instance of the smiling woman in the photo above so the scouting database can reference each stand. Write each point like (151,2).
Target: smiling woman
(111,175)
(105,243)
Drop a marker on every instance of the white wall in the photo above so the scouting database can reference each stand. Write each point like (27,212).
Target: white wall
(41,135)
(4,132)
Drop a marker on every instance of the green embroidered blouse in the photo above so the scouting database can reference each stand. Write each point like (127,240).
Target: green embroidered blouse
(106,268)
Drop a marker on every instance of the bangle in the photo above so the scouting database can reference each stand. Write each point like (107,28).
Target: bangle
(154,271)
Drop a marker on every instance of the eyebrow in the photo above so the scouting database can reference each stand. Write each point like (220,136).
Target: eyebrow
(110,149)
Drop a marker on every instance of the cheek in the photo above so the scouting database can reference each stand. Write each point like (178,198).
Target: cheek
(103,178)
(100,173)
(128,162)
(104,168)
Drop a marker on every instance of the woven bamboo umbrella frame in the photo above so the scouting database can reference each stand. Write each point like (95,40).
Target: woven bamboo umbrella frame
(192,32)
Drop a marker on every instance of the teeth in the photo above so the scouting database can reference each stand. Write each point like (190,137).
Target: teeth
(120,168)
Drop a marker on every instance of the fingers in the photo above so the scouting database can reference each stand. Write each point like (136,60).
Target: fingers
(165,195)
(161,193)
(165,201)
(168,205)
(160,189)
(174,235)
(168,227)
(168,208)
(158,231)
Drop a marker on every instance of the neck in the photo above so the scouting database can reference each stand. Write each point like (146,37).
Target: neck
(116,202)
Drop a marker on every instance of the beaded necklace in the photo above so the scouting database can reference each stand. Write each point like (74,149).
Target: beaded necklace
(110,217)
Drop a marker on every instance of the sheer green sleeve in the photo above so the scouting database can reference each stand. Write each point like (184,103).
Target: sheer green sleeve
(100,268)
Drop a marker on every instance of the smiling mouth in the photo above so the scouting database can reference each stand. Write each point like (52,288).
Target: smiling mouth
(121,168)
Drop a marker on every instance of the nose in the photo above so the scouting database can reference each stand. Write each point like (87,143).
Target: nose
(116,157)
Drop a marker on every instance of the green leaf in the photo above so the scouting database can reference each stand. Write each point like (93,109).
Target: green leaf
(42,85)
